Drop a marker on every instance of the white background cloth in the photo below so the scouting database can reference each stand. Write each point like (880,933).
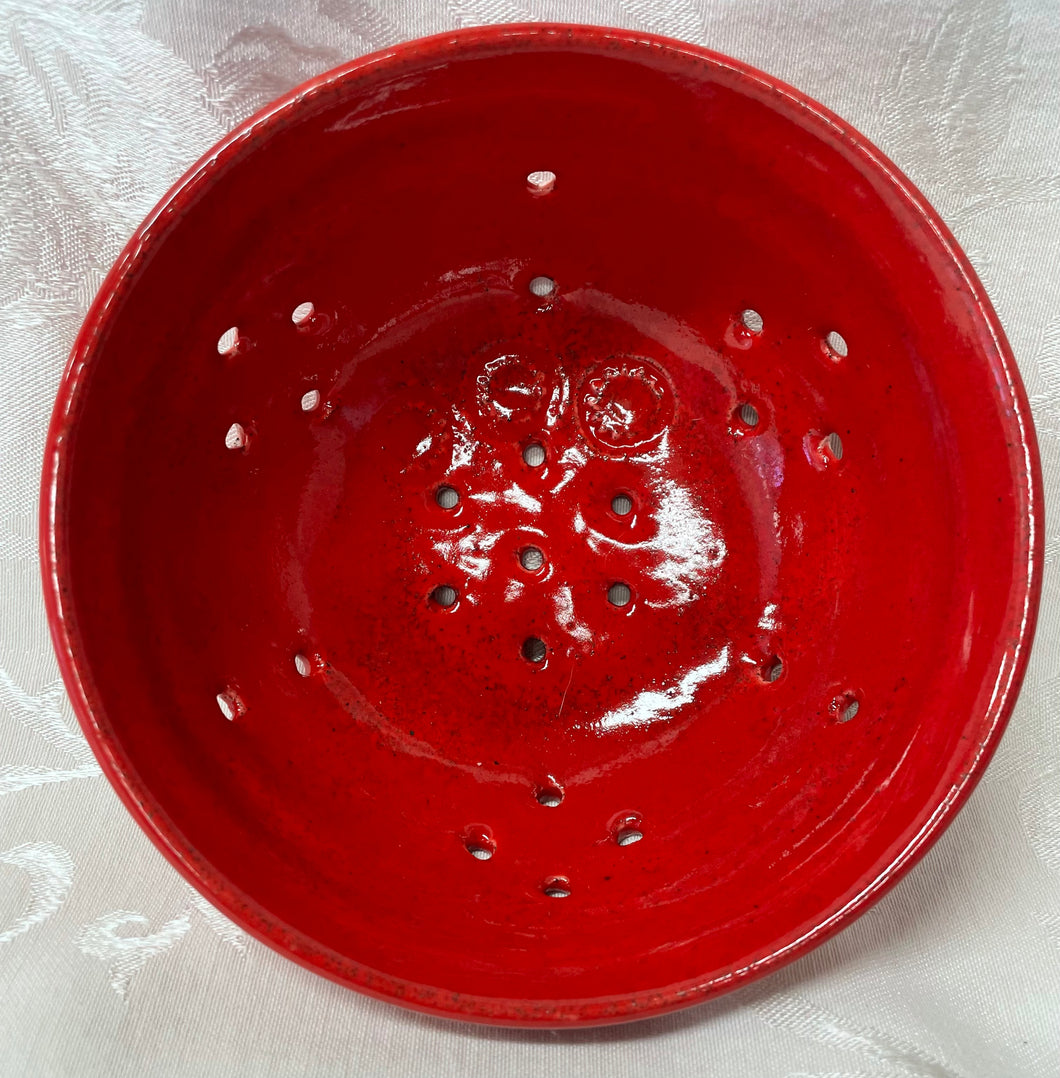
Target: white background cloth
(109,963)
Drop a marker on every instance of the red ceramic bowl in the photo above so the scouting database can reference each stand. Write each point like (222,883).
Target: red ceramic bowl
(606,588)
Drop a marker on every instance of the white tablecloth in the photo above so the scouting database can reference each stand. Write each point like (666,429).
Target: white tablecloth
(110,965)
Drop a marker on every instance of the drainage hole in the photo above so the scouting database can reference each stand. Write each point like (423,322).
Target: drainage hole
(534,454)
(228,342)
(772,669)
(619,594)
(542,287)
(303,664)
(549,796)
(628,835)
(310,400)
(444,595)
(749,416)
(846,706)
(231,704)
(832,447)
(447,497)
(752,320)
(236,437)
(835,345)
(556,887)
(622,505)
(540,183)
(302,313)
(534,650)
(479,842)
(531,559)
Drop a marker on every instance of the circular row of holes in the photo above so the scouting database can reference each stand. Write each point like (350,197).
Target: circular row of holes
(834,343)
(531,558)
(619,593)
(844,706)
(830,448)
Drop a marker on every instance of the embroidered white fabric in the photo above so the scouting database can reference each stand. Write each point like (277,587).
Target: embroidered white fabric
(109,964)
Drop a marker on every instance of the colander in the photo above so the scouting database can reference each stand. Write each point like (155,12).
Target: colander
(542,525)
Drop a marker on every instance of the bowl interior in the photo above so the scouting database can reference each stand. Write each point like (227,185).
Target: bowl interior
(596,555)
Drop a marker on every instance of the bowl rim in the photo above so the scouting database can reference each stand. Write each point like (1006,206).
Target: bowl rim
(1011,651)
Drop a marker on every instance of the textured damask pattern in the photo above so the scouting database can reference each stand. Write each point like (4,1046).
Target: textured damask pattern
(109,964)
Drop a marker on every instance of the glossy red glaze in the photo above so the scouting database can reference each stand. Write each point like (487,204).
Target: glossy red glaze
(376,776)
